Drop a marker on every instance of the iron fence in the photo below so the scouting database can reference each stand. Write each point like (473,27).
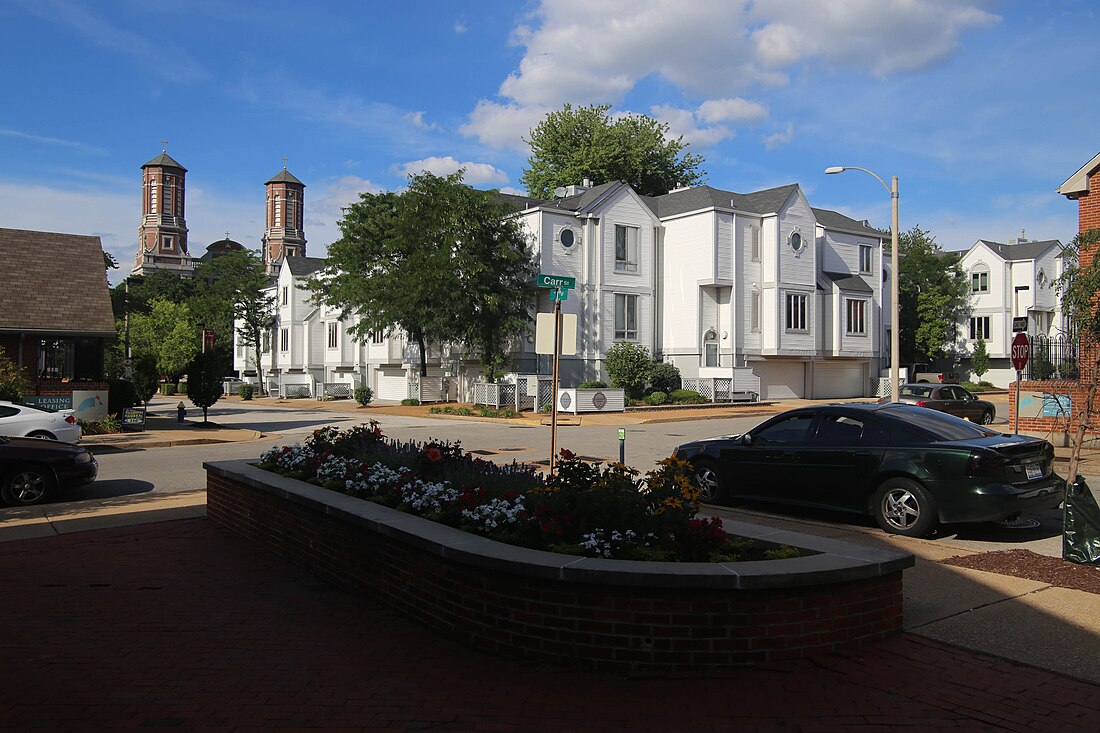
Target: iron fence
(1053,358)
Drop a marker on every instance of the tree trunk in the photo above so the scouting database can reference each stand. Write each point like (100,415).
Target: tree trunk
(259,363)
(1082,423)
(423,353)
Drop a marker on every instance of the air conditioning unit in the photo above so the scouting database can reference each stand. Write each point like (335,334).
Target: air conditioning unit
(567,237)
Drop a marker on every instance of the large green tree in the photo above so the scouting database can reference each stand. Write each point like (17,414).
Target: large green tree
(440,261)
(233,287)
(933,295)
(168,333)
(575,143)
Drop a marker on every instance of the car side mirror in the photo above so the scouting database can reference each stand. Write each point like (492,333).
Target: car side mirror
(747,439)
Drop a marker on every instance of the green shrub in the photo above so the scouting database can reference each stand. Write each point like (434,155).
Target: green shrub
(686,397)
(13,382)
(629,367)
(121,394)
(410,402)
(656,398)
(246,391)
(106,426)
(181,388)
(664,377)
(593,384)
(363,396)
(168,388)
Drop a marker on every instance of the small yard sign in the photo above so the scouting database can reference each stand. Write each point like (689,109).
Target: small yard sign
(133,418)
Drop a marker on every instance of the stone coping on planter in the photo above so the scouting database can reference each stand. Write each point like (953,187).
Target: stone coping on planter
(832,560)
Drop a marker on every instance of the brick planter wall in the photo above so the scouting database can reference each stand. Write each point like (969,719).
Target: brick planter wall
(1078,392)
(568,610)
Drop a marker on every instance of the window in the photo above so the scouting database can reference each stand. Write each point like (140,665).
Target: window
(626,317)
(284,339)
(1041,278)
(979,282)
(754,312)
(866,259)
(796,312)
(377,337)
(796,241)
(153,196)
(166,244)
(278,211)
(240,347)
(710,349)
(626,248)
(857,323)
(333,335)
(794,429)
(286,294)
(979,327)
(754,234)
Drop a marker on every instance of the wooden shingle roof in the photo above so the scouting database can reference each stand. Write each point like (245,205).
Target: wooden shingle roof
(54,283)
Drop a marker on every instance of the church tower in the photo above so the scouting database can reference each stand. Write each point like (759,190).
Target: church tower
(284,235)
(162,234)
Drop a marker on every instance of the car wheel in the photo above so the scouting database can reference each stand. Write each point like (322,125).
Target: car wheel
(708,482)
(27,485)
(904,507)
(42,435)
(987,418)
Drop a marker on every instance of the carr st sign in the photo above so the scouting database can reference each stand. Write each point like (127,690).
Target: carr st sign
(560,282)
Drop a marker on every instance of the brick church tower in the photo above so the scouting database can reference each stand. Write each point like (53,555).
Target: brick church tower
(284,235)
(162,234)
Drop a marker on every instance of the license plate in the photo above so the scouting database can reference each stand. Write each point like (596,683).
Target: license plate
(1033,471)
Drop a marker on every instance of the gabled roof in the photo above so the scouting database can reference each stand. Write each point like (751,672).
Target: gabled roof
(56,282)
(835,220)
(300,266)
(1078,183)
(284,176)
(1022,250)
(848,281)
(705,197)
(164,160)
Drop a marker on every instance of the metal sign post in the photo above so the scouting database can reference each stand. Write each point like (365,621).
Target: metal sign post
(1020,353)
(554,385)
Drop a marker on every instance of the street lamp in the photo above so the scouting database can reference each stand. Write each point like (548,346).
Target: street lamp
(895,347)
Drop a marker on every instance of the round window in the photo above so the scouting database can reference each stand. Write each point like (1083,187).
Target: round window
(796,241)
(566,238)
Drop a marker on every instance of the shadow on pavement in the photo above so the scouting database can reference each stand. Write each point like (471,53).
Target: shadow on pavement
(106,490)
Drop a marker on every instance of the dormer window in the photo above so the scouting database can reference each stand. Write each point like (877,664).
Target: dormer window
(866,259)
(979,281)
(626,248)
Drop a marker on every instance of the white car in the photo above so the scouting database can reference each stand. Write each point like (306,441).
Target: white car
(25,421)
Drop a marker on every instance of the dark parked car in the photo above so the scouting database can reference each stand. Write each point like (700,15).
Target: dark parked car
(31,469)
(949,398)
(909,467)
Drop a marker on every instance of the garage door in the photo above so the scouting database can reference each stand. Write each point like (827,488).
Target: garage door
(781,380)
(840,379)
(391,384)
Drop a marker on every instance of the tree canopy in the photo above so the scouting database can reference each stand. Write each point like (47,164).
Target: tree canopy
(575,143)
(442,261)
(933,295)
(169,333)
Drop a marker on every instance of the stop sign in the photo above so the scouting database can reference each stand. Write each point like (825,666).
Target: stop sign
(1021,350)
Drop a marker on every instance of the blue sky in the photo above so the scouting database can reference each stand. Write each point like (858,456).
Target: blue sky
(980,108)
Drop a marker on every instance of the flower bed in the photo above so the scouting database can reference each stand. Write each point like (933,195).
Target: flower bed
(584,509)
(569,609)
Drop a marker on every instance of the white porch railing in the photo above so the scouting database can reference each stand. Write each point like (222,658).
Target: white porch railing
(743,385)
(429,389)
(528,392)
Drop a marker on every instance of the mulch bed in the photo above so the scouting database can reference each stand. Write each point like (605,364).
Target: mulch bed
(1032,566)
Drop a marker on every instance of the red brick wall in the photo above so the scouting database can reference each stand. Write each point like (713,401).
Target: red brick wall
(576,624)
(1078,392)
(1088,206)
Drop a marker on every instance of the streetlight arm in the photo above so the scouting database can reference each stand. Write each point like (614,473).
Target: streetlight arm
(842,168)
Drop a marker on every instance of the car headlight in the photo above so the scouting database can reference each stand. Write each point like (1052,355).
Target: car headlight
(83,457)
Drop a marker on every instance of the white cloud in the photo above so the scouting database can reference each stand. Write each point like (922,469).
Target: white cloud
(731,110)
(773,141)
(324,213)
(460,28)
(707,48)
(681,122)
(476,173)
(44,140)
(417,119)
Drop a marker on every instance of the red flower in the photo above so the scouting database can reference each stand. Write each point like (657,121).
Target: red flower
(434,455)
(377,432)
(567,455)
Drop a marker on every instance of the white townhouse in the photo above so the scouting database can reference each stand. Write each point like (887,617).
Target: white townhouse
(1011,280)
(759,290)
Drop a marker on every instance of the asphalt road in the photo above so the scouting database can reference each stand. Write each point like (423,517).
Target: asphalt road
(180,468)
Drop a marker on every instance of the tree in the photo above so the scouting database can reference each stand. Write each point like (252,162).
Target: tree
(236,291)
(933,295)
(204,380)
(571,144)
(109,262)
(629,367)
(1079,287)
(169,334)
(145,377)
(438,261)
(13,381)
(979,362)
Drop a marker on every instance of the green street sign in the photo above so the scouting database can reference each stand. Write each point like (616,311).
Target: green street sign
(556,281)
(559,294)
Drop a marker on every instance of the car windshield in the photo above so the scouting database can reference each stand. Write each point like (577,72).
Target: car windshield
(940,425)
(914,391)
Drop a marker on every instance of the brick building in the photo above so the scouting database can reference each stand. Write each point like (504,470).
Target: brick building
(55,310)
(1054,404)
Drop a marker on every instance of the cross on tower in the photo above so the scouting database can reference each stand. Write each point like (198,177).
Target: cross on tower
(284,164)
(165,144)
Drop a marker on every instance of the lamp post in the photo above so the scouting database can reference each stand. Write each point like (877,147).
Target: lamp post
(895,348)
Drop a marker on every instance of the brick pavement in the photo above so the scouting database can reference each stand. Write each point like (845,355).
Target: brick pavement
(181,625)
